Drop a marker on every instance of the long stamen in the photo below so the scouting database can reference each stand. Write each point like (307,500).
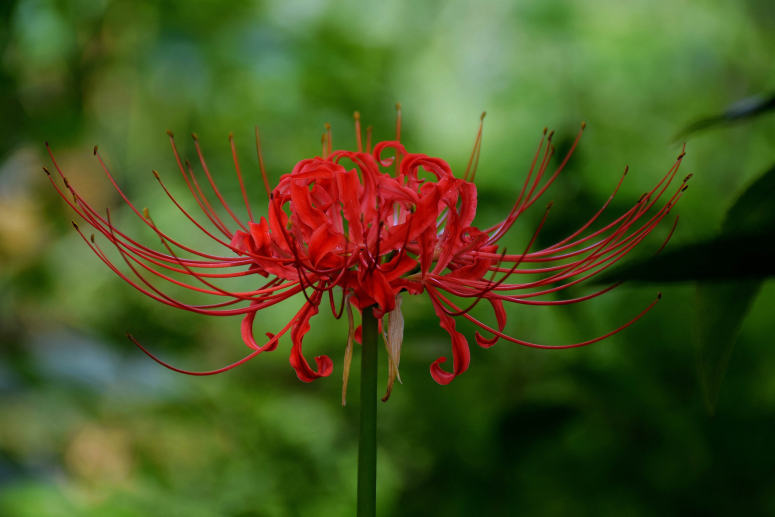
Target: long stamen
(207,207)
(93,218)
(359,143)
(203,309)
(218,290)
(204,205)
(497,229)
(492,286)
(530,199)
(398,121)
(441,298)
(615,254)
(108,230)
(612,249)
(226,368)
(559,167)
(263,295)
(185,212)
(128,202)
(518,202)
(669,236)
(329,140)
(214,187)
(473,160)
(261,164)
(239,175)
(594,217)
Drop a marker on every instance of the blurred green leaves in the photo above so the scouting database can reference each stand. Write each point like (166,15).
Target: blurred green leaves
(729,269)
(721,308)
(614,429)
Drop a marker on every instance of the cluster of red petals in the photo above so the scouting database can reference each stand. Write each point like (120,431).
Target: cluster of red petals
(364,226)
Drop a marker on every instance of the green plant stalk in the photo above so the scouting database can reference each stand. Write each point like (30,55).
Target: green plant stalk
(367,442)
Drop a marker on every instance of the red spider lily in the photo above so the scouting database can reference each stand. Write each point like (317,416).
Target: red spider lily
(364,226)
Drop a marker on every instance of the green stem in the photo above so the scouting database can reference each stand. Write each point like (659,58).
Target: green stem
(367,444)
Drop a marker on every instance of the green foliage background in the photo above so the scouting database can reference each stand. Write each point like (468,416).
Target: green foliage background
(89,426)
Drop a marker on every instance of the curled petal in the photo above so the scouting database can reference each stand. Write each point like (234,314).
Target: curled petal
(303,370)
(461,356)
(247,333)
(412,162)
(390,144)
(500,316)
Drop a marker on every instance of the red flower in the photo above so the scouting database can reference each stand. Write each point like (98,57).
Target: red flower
(364,226)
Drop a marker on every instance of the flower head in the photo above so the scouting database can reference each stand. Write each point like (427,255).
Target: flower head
(355,229)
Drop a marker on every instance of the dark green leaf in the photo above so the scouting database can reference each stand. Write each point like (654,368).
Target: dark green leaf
(744,250)
(743,109)
(728,257)
(721,308)
(730,269)
(754,210)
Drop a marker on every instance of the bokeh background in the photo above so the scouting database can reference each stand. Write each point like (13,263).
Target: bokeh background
(90,426)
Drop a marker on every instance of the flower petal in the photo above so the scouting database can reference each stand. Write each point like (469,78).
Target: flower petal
(500,315)
(321,243)
(349,188)
(242,242)
(249,339)
(260,233)
(303,370)
(304,212)
(375,285)
(461,356)
(427,211)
